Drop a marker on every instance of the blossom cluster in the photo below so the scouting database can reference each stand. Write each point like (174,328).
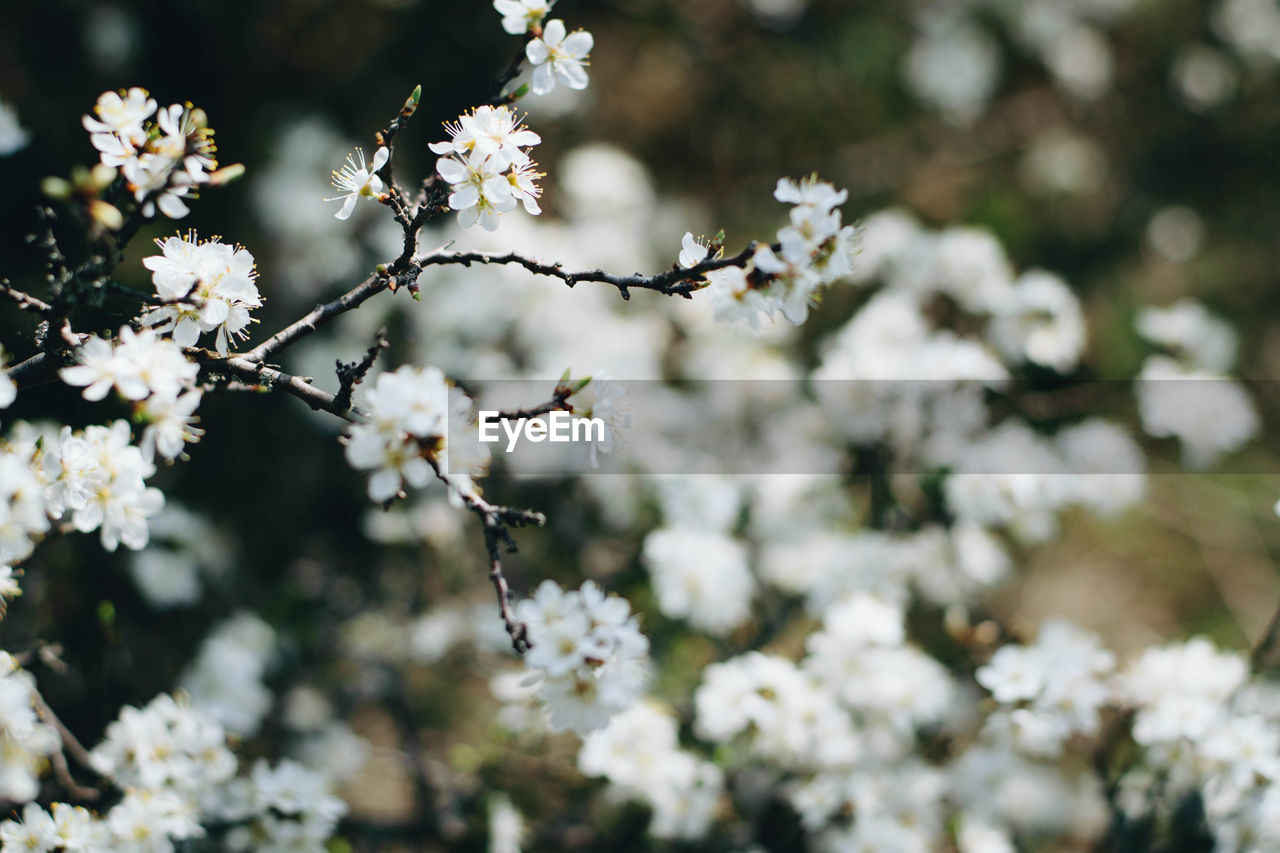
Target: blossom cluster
(166,744)
(178,779)
(587,652)
(1051,690)
(640,756)
(486,162)
(163,160)
(701,576)
(95,478)
(955,63)
(1184,392)
(225,680)
(1209,729)
(28,740)
(203,286)
(285,807)
(843,726)
(552,50)
(813,251)
(416,424)
(903,375)
(164,757)
(148,369)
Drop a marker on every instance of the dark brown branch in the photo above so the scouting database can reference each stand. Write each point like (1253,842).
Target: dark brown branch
(674,282)
(42,368)
(24,300)
(69,745)
(496,521)
(270,379)
(352,373)
(559,402)
(509,73)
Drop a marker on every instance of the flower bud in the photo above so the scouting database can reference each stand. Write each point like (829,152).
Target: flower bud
(55,188)
(101,176)
(226,175)
(411,105)
(107,215)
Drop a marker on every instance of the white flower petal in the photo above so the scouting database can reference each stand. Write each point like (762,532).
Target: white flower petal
(451,170)
(466,197)
(573,74)
(579,44)
(553,32)
(544,79)
(537,52)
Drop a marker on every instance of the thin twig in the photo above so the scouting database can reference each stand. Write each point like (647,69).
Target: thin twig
(272,379)
(69,745)
(674,282)
(496,521)
(24,300)
(509,73)
(352,373)
(559,402)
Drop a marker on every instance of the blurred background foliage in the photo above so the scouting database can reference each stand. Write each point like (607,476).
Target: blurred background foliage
(716,98)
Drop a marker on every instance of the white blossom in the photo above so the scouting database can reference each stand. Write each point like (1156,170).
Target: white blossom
(555,54)
(408,420)
(26,740)
(1209,414)
(35,832)
(494,132)
(358,180)
(138,364)
(164,745)
(701,577)
(212,287)
(519,16)
(587,651)
(692,252)
(480,191)
(118,130)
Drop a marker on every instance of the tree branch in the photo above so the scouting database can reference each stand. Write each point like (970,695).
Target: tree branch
(559,402)
(509,73)
(352,373)
(674,282)
(24,300)
(270,379)
(496,521)
(69,744)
